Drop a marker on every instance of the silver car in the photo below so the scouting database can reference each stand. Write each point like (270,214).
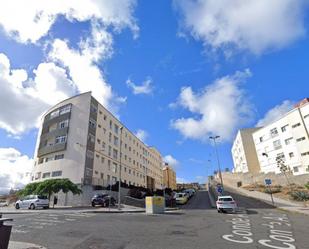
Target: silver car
(33,202)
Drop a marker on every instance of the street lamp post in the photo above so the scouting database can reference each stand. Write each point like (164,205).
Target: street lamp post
(119,182)
(219,168)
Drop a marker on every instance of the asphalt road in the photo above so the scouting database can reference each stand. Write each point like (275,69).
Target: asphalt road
(194,226)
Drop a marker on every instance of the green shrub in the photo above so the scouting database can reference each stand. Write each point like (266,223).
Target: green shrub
(300,196)
(272,190)
(307,185)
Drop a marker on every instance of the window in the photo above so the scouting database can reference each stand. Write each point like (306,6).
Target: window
(93,108)
(99,141)
(115,167)
(109,164)
(96,172)
(103,146)
(110,137)
(56,173)
(273,132)
(283,128)
(61,139)
(305,153)
(291,154)
(277,144)
(104,117)
(99,126)
(125,169)
(50,158)
(41,160)
(90,154)
(115,154)
(46,175)
(288,141)
(295,169)
(91,138)
(108,178)
(65,109)
(110,124)
(109,150)
(116,128)
(102,175)
(102,159)
(64,124)
(307,169)
(58,157)
(280,156)
(116,140)
(130,171)
(54,114)
(100,112)
(114,179)
(295,125)
(300,139)
(38,175)
(97,155)
(92,123)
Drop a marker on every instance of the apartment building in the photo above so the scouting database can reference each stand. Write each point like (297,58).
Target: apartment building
(244,153)
(169,177)
(287,139)
(81,140)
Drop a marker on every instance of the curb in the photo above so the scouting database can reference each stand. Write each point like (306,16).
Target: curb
(291,211)
(114,211)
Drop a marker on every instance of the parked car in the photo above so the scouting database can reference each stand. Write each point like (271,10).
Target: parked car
(190,192)
(226,203)
(3,204)
(170,200)
(181,198)
(103,200)
(33,202)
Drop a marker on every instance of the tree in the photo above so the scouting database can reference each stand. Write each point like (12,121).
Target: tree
(50,186)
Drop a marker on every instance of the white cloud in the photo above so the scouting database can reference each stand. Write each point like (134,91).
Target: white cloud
(142,135)
(145,88)
(181,180)
(67,70)
(220,108)
(33,19)
(256,26)
(275,113)
(173,162)
(23,100)
(15,169)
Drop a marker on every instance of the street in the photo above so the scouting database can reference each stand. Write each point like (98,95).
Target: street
(195,225)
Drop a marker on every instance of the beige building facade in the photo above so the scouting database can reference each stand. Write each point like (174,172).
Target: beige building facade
(169,177)
(244,153)
(286,139)
(81,140)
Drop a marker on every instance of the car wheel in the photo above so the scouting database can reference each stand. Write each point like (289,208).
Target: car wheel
(32,206)
(17,206)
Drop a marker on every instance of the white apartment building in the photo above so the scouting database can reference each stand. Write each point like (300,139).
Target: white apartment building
(288,139)
(244,153)
(81,140)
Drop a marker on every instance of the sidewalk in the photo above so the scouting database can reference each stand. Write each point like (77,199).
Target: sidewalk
(279,203)
(85,209)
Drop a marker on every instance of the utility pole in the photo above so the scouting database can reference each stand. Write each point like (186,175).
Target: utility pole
(219,168)
(119,181)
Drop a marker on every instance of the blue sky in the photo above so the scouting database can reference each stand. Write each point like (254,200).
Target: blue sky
(175,72)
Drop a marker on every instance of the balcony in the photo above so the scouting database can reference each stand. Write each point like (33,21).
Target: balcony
(51,149)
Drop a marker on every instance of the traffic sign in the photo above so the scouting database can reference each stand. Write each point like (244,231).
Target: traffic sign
(267,181)
(220,189)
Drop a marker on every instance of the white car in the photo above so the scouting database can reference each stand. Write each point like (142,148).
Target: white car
(226,203)
(32,202)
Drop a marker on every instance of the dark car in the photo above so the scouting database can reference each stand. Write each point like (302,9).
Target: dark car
(103,200)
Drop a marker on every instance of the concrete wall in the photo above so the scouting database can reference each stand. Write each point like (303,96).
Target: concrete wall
(84,199)
(231,179)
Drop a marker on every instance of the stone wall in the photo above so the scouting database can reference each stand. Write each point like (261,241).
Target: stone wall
(231,179)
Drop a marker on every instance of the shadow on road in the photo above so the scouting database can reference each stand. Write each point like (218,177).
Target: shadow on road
(248,202)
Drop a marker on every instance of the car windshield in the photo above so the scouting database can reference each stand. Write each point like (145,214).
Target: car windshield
(42,197)
(226,199)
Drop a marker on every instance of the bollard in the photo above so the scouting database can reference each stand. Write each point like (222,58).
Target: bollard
(5,233)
